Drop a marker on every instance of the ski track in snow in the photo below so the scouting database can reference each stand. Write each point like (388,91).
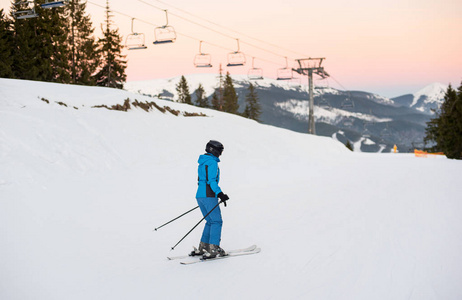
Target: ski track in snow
(82,189)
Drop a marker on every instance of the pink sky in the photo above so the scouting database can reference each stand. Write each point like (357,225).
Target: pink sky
(388,47)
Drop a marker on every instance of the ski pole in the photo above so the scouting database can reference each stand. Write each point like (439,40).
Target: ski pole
(155,229)
(173,248)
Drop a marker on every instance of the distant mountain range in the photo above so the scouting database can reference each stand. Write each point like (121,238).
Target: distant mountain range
(372,123)
(427,99)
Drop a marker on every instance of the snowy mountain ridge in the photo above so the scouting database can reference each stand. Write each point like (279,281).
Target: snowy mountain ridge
(430,96)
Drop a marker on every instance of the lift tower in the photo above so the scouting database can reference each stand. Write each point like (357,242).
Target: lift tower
(310,66)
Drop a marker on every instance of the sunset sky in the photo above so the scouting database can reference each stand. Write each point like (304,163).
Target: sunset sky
(388,47)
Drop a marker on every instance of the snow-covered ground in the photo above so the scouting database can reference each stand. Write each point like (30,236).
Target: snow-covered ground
(82,188)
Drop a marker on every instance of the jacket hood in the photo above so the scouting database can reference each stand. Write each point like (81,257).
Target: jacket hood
(207,157)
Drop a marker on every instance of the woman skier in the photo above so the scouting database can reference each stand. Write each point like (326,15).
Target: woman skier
(207,196)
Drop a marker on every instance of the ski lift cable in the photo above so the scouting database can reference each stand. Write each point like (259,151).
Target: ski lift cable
(155,25)
(111,10)
(339,83)
(198,24)
(209,28)
(181,34)
(243,34)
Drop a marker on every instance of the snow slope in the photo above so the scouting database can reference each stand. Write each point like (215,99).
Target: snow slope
(82,188)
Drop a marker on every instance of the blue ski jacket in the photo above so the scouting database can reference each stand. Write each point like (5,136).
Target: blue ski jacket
(208,176)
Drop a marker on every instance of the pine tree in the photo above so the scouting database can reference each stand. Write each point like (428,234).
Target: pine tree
(40,44)
(183,91)
(252,108)
(55,26)
(112,71)
(446,128)
(26,56)
(84,59)
(201,99)
(6,47)
(230,98)
(216,102)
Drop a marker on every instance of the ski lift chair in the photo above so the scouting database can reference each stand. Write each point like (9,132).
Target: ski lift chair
(202,60)
(135,40)
(347,103)
(366,132)
(285,73)
(25,12)
(54,4)
(348,122)
(255,73)
(164,34)
(385,133)
(324,104)
(236,58)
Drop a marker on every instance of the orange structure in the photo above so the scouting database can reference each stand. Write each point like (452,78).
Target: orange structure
(421,153)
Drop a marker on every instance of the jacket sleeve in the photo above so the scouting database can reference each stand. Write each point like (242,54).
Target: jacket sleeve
(214,177)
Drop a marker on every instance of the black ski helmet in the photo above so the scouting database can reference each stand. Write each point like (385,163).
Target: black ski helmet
(214,147)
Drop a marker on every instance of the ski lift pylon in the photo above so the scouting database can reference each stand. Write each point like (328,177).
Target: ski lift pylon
(285,73)
(255,73)
(202,60)
(54,4)
(164,34)
(236,58)
(135,40)
(26,12)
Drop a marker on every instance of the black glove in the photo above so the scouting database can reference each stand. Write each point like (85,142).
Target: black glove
(223,197)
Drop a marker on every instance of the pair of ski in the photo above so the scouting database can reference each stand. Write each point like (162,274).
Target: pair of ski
(231,253)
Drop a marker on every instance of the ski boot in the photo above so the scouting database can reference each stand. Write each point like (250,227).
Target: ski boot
(203,248)
(214,251)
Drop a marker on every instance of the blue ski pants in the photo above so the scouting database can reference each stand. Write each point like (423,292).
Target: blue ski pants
(214,222)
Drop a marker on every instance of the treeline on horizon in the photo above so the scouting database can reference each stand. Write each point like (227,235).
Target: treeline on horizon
(223,99)
(59,45)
